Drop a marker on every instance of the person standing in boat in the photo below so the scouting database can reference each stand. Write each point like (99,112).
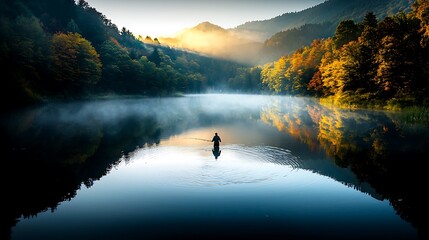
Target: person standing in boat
(216,140)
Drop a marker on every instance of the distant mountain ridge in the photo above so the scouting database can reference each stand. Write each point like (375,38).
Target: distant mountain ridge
(258,42)
(213,40)
(332,11)
(208,27)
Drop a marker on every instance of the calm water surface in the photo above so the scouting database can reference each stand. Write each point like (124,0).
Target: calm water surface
(287,168)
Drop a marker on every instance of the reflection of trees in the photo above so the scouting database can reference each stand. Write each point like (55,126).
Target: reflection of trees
(293,121)
(375,147)
(330,133)
(48,161)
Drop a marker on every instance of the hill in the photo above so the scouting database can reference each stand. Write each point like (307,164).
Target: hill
(66,49)
(332,11)
(215,41)
(259,42)
(286,42)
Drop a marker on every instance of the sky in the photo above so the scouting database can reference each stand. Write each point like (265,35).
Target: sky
(165,18)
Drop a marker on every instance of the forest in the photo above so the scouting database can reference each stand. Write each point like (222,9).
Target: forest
(67,50)
(62,50)
(373,63)
(329,12)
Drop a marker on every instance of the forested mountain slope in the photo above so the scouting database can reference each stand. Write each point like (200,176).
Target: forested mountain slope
(332,11)
(62,49)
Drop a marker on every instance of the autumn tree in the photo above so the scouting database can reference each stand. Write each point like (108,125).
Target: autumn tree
(399,72)
(305,63)
(76,63)
(273,75)
(421,11)
(323,82)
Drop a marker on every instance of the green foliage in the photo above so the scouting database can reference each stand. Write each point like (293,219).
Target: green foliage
(246,79)
(287,42)
(67,49)
(346,32)
(76,63)
(415,114)
(72,27)
(332,11)
(24,50)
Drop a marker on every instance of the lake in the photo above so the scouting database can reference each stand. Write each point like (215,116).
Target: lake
(145,168)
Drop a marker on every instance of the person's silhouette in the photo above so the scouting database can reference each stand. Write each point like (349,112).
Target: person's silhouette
(216,140)
(216,152)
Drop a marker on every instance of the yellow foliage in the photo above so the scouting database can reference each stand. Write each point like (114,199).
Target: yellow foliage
(75,59)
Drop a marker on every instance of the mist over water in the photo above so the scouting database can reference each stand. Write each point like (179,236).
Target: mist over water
(286,167)
(177,113)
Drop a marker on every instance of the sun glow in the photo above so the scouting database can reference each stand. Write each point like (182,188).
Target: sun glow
(169,17)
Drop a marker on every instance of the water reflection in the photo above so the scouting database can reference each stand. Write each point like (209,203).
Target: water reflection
(170,192)
(216,152)
(56,148)
(376,146)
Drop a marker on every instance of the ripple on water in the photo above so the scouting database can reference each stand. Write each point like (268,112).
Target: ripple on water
(190,166)
(267,154)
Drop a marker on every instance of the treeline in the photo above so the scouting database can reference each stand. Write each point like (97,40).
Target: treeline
(371,63)
(62,49)
(287,42)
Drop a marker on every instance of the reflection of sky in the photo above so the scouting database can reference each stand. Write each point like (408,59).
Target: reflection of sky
(258,179)
(160,18)
(183,188)
(231,133)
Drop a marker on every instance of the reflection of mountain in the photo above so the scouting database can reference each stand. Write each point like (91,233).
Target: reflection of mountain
(215,41)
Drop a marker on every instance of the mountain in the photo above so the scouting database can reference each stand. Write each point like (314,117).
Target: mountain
(258,42)
(332,11)
(287,42)
(66,49)
(215,41)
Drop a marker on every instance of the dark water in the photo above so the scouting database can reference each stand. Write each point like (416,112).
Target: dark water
(287,168)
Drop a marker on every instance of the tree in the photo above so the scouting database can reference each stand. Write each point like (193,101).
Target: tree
(421,11)
(346,32)
(83,4)
(76,63)
(155,57)
(73,27)
(361,64)
(273,75)
(148,39)
(24,50)
(399,72)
